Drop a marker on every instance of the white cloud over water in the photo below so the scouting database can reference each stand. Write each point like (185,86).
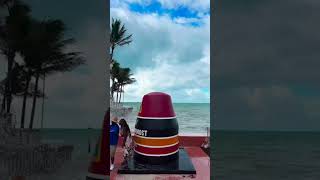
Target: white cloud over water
(167,54)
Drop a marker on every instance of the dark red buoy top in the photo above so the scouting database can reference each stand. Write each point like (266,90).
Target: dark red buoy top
(156,105)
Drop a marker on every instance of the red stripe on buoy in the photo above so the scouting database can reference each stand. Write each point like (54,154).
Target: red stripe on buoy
(156,151)
(156,105)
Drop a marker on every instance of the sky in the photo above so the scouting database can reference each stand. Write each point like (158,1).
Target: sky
(76,99)
(265,70)
(170,51)
(267,67)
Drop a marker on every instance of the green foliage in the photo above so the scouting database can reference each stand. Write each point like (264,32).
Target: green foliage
(119,76)
(118,35)
(43,48)
(44,52)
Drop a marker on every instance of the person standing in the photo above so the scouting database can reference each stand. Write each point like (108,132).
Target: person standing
(114,136)
(127,143)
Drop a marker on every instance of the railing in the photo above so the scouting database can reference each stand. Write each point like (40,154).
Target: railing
(206,143)
(25,161)
(23,154)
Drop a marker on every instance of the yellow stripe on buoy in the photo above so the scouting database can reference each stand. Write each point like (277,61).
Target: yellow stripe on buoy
(156,142)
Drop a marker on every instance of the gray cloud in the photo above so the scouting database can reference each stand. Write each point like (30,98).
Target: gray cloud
(76,99)
(268,49)
(274,43)
(261,108)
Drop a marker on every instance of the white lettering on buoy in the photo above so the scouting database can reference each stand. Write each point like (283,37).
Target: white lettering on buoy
(141,132)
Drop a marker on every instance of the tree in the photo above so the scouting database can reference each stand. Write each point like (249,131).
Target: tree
(44,53)
(114,73)
(11,33)
(20,87)
(118,36)
(119,76)
(124,78)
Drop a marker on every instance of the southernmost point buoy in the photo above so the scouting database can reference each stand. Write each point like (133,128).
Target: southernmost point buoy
(156,130)
(99,168)
(156,140)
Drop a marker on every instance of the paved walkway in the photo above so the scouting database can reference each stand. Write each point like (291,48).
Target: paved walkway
(199,159)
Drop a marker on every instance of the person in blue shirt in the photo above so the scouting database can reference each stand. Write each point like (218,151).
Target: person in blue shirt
(114,136)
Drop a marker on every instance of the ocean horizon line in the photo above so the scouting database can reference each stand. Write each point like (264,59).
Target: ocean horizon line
(178,102)
(212,130)
(266,131)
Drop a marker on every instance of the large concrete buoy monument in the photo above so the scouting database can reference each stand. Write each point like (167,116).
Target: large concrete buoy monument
(156,130)
(156,139)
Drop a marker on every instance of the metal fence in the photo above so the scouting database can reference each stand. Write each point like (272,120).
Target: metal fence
(23,154)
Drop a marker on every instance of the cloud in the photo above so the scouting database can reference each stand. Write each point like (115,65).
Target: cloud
(267,66)
(199,6)
(178,79)
(193,5)
(260,109)
(76,99)
(166,55)
(261,49)
(81,92)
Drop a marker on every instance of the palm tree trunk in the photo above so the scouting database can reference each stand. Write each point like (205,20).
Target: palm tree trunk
(112,86)
(10,56)
(25,95)
(3,107)
(34,102)
(111,55)
(42,109)
(9,81)
(120,93)
(123,94)
(117,95)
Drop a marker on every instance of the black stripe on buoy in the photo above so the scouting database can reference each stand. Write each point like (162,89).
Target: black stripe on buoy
(157,127)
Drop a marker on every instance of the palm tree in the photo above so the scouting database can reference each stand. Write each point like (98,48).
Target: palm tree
(114,73)
(118,36)
(11,33)
(20,87)
(119,76)
(25,95)
(17,85)
(124,78)
(7,3)
(28,91)
(44,53)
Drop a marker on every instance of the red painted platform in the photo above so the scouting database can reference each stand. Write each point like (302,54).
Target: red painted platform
(192,145)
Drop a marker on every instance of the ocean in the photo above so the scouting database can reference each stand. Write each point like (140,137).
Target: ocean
(243,155)
(235,155)
(193,118)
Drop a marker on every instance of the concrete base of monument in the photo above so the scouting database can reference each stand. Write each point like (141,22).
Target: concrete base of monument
(182,165)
